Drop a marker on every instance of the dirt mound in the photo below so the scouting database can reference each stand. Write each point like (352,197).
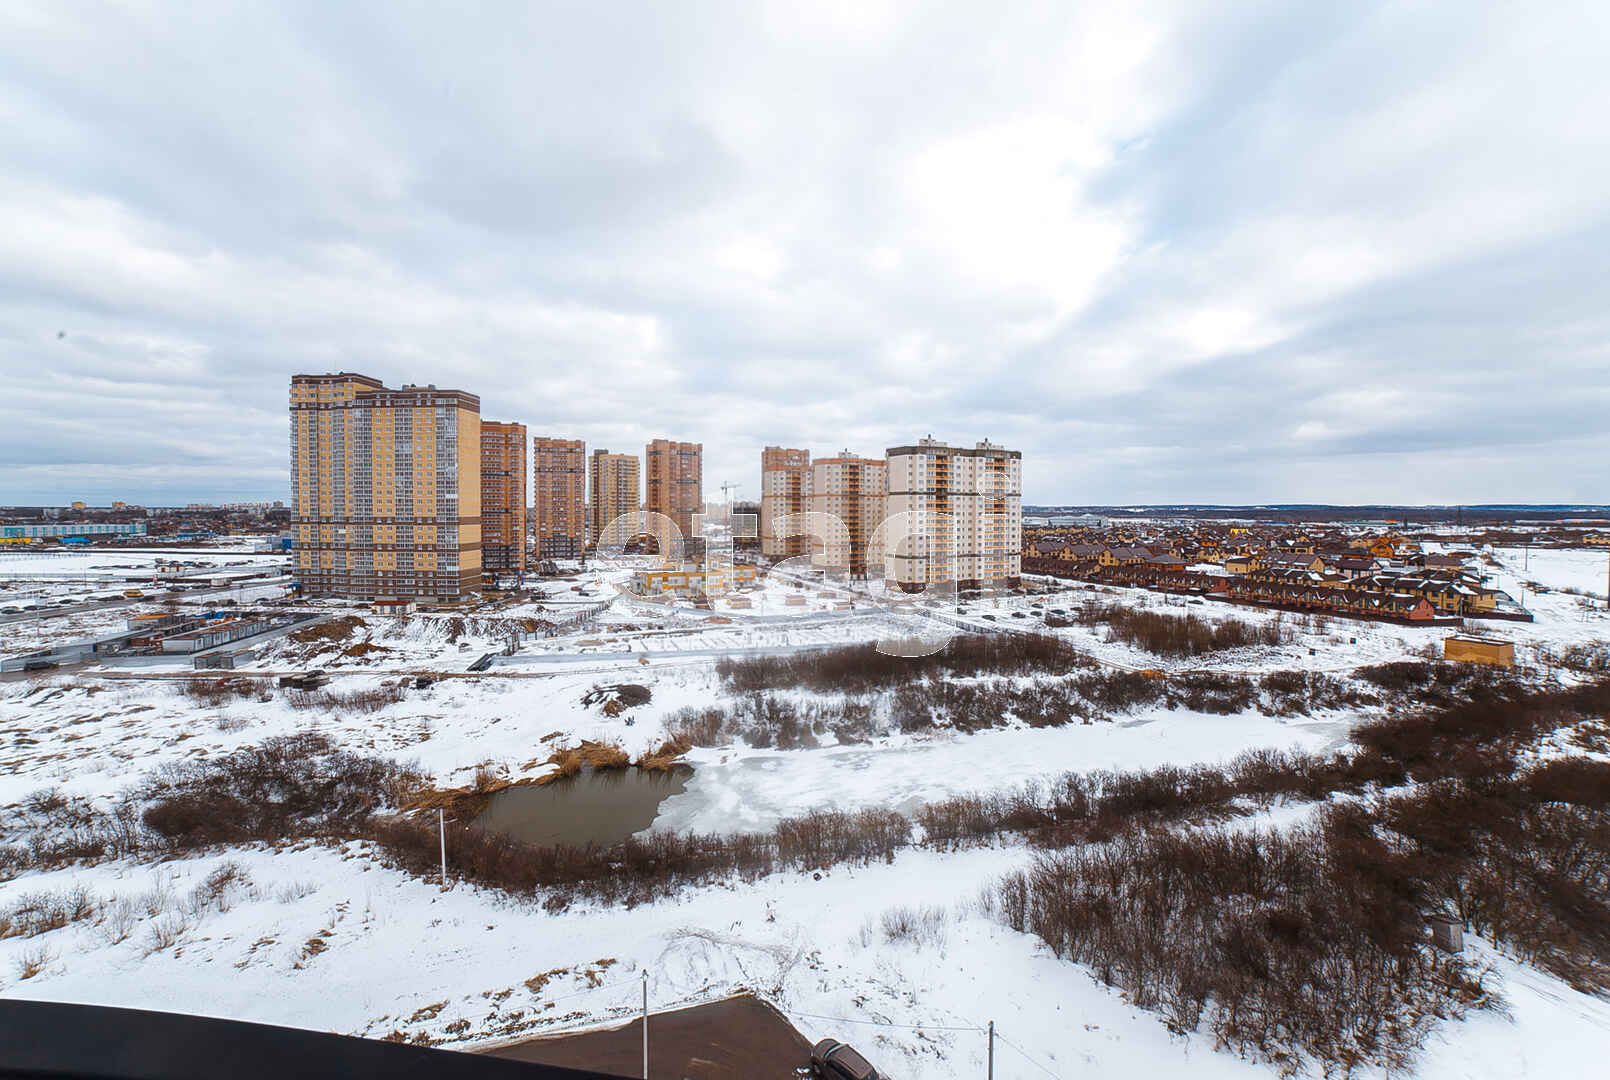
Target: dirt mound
(616,698)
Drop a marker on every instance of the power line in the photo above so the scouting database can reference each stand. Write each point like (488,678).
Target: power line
(1026,1056)
(882,1023)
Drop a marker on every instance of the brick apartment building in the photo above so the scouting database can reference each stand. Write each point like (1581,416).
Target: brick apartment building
(559,496)
(673,474)
(613,483)
(502,499)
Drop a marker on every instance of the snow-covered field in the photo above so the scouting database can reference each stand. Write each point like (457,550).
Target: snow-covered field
(330,938)
(105,563)
(327,938)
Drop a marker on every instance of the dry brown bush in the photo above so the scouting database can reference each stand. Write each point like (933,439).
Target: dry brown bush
(1178,635)
(216,692)
(856,669)
(292,785)
(368,700)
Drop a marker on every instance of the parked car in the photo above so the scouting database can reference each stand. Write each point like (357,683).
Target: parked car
(833,1060)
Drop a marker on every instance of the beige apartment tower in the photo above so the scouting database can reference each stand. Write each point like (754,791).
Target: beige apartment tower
(559,496)
(673,478)
(785,493)
(851,489)
(502,499)
(386,489)
(966,515)
(615,502)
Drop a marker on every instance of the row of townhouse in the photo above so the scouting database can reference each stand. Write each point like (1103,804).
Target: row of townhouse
(1339,578)
(1358,603)
(1446,592)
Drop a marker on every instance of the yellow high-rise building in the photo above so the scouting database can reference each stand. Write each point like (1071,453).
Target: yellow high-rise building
(386,489)
(959,514)
(850,491)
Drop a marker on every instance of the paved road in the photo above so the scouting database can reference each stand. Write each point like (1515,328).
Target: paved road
(740,1038)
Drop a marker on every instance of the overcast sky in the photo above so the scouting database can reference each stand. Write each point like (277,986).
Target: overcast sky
(1271,253)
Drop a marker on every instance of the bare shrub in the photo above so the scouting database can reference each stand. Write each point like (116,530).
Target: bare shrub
(291,785)
(1178,635)
(701,726)
(914,925)
(1586,658)
(644,868)
(33,961)
(857,669)
(157,901)
(1236,929)
(371,699)
(293,891)
(1525,860)
(40,913)
(219,890)
(217,692)
(118,921)
(165,932)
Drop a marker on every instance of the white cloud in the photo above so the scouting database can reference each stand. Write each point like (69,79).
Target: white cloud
(1261,255)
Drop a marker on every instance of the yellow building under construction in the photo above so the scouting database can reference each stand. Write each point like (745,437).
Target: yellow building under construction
(1479,650)
(691,580)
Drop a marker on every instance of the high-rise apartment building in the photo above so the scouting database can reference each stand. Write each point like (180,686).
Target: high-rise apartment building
(386,489)
(502,498)
(673,474)
(615,501)
(559,496)
(966,508)
(785,493)
(852,490)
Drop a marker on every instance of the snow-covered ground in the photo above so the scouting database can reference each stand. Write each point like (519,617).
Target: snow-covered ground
(331,938)
(749,790)
(104,563)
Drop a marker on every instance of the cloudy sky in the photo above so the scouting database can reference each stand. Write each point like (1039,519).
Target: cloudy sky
(1265,253)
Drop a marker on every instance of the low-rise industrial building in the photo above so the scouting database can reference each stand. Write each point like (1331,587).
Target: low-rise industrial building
(71,531)
(1479,650)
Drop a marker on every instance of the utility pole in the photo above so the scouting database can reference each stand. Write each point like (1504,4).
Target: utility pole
(645,1024)
(441,825)
(991,1074)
